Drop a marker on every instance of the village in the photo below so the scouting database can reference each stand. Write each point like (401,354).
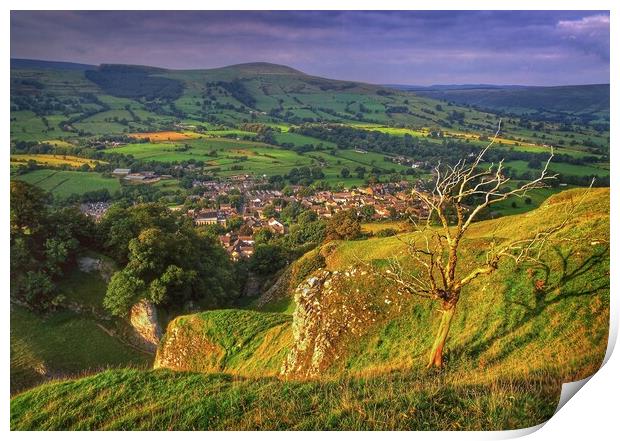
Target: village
(256,208)
(259,209)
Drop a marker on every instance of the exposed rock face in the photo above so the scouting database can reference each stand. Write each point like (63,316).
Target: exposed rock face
(144,320)
(333,309)
(278,290)
(186,347)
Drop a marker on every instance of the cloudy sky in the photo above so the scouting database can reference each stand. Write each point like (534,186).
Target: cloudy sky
(413,47)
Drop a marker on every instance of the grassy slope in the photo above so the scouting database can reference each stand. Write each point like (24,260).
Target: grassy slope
(233,340)
(509,350)
(503,323)
(164,400)
(66,343)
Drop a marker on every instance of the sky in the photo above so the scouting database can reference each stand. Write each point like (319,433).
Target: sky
(382,47)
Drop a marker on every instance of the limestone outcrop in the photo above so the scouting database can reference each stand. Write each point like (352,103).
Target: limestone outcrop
(332,310)
(144,321)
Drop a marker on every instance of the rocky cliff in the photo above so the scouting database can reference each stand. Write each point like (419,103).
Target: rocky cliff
(144,320)
(333,309)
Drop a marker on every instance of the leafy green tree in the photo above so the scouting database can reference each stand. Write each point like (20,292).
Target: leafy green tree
(27,208)
(267,259)
(270,211)
(290,212)
(306,217)
(306,233)
(121,224)
(123,291)
(262,236)
(344,225)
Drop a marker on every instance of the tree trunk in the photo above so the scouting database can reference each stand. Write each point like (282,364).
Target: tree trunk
(436,355)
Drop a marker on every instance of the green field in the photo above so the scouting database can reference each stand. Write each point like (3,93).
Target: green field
(164,400)
(297,98)
(64,183)
(562,168)
(27,126)
(536,196)
(300,140)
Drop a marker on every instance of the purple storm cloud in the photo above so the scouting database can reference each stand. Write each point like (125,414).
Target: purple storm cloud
(386,47)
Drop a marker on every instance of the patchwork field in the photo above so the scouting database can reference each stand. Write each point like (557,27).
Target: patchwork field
(520,143)
(229,156)
(562,168)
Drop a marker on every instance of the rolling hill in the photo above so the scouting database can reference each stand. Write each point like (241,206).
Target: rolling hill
(76,106)
(588,102)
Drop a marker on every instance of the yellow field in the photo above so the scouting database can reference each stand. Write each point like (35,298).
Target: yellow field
(165,136)
(425,131)
(73,161)
(499,139)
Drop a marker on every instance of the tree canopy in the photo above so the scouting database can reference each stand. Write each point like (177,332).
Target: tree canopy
(168,261)
(44,243)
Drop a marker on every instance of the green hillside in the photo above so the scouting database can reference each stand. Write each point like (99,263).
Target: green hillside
(259,92)
(516,337)
(267,119)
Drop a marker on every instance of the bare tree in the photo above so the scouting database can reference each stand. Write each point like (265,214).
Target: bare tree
(459,195)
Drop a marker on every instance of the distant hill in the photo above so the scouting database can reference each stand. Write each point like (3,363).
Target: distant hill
(226,95)
(155,98)
(261,68)
(22,63)
(577,100)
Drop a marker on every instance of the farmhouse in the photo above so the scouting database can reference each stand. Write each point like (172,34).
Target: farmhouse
(121,171)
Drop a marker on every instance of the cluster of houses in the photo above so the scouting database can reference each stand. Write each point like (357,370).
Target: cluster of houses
(213,217)
(408,162)
(386,199)
(260,207)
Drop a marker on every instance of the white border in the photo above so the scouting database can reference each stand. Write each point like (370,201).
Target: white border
(592,415)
